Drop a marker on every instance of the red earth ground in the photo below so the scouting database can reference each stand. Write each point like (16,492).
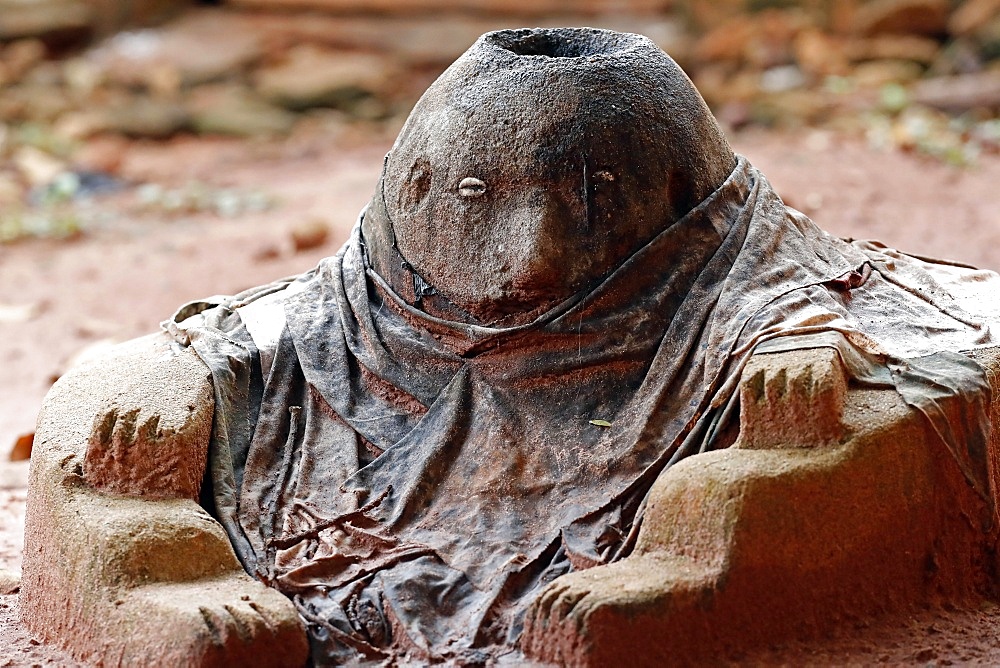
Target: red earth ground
(122,277)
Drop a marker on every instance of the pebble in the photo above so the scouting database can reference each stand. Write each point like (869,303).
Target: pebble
(961,92)
(9,582)
(314,77)
(914,17)
(197,48)
(38,167)
(310,234)
(236,110)
(19,453)
(44,18)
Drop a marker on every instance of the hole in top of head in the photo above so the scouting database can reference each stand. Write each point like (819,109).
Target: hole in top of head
(565,43)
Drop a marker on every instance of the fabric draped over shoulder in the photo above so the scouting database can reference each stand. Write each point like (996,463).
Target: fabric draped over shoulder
(412,483)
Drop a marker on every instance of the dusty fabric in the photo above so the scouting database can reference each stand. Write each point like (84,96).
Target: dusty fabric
(412,483)
(625,147)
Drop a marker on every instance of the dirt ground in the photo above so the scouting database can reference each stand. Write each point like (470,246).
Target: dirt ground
(130,270)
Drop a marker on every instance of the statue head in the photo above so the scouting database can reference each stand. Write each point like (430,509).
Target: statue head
(537,163)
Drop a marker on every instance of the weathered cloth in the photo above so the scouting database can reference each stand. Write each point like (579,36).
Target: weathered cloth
(413,483)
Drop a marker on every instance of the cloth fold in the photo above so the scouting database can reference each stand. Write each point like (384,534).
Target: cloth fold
(413,482)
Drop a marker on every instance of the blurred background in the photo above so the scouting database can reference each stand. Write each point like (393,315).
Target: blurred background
(924,73)
(154,151)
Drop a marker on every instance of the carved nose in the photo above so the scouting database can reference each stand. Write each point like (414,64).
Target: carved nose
(542,234)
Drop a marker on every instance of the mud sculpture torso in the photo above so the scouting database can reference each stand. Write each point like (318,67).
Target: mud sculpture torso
(547,302)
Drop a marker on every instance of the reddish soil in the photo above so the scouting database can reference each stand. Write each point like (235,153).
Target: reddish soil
(122,278)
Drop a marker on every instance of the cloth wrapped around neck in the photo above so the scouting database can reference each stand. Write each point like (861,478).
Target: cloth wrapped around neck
(413,482)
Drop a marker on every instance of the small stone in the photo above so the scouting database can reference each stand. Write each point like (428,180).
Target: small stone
(102,154)
(9,582)
(774,38)
(762,41)
(820,55)
(789,108)
(198,48)
(33,102)
(75,125)
(265,253)
(164,80)
(902,17)
(20,56)
(960,93)
(726,42)
(782,78)
(988,39)
(878,73)
(141,118)
(841,16)
(65,19)
(707,13)
(309,235)
(313,77)
(896,47)
(38,167)
(11,192)
(734,115)
(22,449)
(718,87)
(81,75)
(819,140)
(20,312)
(812,203)
(972,15)
(231,109)
(113,15)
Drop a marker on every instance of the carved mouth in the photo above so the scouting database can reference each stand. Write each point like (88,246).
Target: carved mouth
(561,42)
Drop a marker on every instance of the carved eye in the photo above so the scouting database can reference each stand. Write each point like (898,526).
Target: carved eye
(415,190)
(471,187)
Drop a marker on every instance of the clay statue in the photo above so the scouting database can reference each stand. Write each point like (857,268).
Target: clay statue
(547,304)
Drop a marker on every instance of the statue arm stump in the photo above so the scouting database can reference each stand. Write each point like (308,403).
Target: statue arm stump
(121,565)
(835,502)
